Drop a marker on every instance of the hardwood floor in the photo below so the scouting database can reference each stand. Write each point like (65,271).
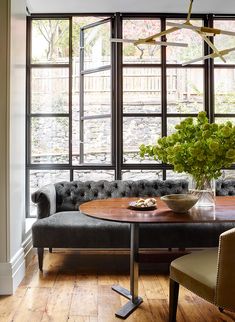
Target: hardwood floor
(69,290)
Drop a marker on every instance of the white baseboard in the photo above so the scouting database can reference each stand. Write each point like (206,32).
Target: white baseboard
(12,273)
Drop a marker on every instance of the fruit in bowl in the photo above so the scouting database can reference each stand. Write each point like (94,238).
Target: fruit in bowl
(180,203)
(143,204)
(146,202)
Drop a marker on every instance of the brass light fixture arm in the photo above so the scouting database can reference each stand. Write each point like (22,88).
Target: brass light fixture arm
(189,11)
(213,55)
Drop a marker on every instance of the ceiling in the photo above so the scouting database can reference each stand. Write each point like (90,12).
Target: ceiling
(100,6)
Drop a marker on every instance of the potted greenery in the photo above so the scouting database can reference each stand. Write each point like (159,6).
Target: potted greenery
(199,148)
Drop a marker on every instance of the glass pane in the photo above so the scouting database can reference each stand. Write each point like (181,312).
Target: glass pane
(76,110)
(221,120)
(224,91)
(228,175)
(39,178)
(97,141)
(50,41)
(50,90)
(184,90)
(172,122)
(75,136)
(97,93)
(94,175)
(136,131)
(179,55)
(97,46)
(142,90)
(224,41)
(141,28)
(77,23)
(142,174)
(50,139)
(172,175)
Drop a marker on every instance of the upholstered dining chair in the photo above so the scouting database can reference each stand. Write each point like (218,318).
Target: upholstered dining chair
(209,274)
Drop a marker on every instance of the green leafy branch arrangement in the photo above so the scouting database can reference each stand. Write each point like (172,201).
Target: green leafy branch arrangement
(198,148)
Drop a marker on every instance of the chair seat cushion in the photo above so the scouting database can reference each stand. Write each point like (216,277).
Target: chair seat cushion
(197,272)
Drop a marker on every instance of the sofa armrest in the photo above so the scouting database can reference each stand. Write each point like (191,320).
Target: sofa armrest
(45,198)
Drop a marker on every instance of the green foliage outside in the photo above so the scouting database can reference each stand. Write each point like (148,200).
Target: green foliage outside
(198,148)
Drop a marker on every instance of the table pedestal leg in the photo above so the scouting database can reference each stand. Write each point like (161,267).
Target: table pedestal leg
(132,295)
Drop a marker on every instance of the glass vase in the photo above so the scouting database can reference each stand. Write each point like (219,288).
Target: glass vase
(205,191)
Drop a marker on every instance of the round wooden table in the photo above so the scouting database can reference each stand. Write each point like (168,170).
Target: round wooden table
(118,210)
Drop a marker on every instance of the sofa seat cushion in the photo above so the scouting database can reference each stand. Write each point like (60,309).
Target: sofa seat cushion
(76,230)
(180,235)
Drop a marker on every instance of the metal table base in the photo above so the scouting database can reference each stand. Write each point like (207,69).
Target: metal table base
(132,295)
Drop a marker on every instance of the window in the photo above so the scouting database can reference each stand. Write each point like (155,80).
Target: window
(90,103)
(224,81)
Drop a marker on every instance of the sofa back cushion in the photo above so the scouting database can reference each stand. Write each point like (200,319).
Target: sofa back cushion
(225,187)
(70,195)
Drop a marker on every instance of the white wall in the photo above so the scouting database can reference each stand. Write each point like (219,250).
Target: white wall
(80,6)
(4,82)
(17,124)
(12,143)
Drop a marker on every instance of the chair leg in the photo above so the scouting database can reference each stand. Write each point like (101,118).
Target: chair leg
(50,249)
(174,292)
(40,258)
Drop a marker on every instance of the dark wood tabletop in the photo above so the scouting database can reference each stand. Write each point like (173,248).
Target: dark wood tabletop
(117,209)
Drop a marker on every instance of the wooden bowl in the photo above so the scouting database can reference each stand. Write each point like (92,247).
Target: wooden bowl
(180,203)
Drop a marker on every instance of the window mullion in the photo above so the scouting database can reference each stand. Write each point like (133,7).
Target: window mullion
(70,90)
(163,86)
(81,158)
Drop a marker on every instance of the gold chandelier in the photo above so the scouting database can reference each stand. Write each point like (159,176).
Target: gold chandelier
(203,32)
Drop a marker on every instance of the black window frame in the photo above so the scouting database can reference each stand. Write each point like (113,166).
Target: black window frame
(117,67)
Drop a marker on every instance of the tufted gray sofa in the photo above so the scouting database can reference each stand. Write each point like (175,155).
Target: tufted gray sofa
(62,225)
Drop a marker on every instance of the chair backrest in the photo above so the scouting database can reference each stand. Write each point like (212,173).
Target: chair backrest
(225,287)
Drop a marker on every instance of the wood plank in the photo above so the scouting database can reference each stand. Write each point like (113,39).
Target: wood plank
(107,279)
(65,282)
(152,287)
(159,309)
(84,301)
(77,318)
(66,294)
(108,303)
(88,280)
(33,305)
(32,270)
(9,304)
(58,306)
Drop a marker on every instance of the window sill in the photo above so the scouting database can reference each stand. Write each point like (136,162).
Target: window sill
(29,223)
